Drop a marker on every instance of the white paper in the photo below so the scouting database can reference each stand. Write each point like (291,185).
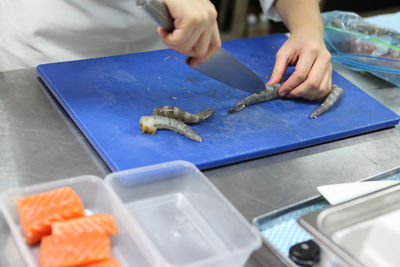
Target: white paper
(339,193)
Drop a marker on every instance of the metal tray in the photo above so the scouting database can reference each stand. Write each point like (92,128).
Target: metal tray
(314,204)
(352,221)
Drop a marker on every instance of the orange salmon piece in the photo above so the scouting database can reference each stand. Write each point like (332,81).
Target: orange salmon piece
(38,212)
(76,250)
(102,223)
(112,262)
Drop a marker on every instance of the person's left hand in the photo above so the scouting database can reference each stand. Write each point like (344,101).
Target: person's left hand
(312,78)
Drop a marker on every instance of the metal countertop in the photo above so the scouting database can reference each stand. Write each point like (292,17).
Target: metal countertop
(39,143)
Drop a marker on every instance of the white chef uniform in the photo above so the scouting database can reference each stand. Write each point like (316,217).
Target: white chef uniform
(33,32)
(41,31)
(270,10)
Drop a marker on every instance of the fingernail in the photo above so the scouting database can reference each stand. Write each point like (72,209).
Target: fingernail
(193,63)
(188,60)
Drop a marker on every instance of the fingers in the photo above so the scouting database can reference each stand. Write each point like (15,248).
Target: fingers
(200,47)
(313,71)
(196,31)
(197,39)
(215,44)
(181,39)
(302,69)
(281,64)
(327,84)
(315,86)
(312,77)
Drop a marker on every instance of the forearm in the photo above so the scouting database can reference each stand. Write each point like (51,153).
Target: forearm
(301,16)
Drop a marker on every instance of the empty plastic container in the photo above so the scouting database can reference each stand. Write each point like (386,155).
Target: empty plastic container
(187,219)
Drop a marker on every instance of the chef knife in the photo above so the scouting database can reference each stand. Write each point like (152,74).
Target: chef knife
(221,66)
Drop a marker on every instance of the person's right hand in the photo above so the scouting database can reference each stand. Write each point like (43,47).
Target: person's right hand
(196,31)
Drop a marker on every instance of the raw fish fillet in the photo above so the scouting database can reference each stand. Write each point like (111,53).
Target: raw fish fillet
(37,212)
(102,223)
(106,263)
(70,251)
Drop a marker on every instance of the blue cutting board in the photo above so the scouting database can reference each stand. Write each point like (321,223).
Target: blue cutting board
(107,96)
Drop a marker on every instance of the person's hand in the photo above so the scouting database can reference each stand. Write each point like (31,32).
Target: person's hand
(312,78)
(196,31)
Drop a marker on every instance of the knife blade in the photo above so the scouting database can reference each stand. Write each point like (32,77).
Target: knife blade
(221,66)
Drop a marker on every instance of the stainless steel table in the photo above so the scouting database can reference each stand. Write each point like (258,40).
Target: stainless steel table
(39,143)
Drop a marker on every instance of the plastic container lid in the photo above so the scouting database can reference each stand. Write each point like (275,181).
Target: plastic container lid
(167,215)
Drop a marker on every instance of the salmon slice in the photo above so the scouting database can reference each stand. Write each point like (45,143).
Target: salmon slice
(102,223)
(112,262)
(76,250)
(37,212)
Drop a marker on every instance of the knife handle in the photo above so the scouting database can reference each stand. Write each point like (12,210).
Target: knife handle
(158,10)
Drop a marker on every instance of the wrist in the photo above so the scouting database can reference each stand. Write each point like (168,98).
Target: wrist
(309,28)
(301,16)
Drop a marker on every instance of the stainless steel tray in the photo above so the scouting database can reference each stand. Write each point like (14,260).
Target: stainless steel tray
(352,218)
(261,221)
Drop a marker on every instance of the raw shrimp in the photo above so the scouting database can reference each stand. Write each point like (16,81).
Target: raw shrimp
(269,93)
(150,124)
(329,101)
(182,115)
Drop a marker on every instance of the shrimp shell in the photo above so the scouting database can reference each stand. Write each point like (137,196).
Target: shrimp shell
(150,124)
(329,101)
(182,115)
(269,93)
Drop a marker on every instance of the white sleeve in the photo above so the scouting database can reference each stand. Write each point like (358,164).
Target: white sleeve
(43,31)
(270,10)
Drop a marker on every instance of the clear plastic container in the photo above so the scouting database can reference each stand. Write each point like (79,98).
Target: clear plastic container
(170,215)
(129,246)
(187,219)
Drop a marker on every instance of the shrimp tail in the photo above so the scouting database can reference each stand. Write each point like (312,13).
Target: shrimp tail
(239,106)
(329,101)
(206,113)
